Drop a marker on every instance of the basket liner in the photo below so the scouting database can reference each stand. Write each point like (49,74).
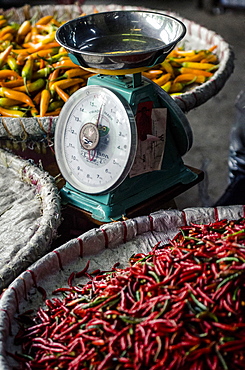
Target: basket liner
(29,215)
(197,37)
(103,247)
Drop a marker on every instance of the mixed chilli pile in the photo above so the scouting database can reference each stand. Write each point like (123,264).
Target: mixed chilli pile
(37,76)
(181,306)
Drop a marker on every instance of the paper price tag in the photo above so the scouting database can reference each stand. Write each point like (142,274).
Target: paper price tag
(151,125)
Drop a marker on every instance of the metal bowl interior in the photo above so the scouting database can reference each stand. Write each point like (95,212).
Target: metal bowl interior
(120,39)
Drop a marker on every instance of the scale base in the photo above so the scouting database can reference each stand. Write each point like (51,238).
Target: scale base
(77,221)
(114,206)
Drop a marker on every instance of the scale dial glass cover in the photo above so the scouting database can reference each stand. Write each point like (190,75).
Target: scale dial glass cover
(95,140)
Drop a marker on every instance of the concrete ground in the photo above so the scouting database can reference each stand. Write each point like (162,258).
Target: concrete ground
(211,123)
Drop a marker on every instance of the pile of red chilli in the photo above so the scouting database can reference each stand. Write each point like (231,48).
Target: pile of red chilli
(182,306)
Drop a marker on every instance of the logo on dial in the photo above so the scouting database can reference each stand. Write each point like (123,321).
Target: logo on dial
(89,136)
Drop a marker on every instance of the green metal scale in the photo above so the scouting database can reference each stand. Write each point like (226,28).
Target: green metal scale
(120,140)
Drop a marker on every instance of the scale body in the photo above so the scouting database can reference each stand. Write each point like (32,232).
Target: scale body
(111,200)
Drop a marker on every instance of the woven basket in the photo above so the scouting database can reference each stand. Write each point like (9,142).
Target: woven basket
(29,215)
(197,37)
(103,247)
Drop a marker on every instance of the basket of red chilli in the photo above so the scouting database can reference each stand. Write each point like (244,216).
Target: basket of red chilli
(163,291)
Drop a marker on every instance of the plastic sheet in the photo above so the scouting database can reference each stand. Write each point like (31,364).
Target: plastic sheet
(30,214)
(237,140)
(234,193)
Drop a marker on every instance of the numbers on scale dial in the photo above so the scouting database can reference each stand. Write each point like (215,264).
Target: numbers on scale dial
(97,138)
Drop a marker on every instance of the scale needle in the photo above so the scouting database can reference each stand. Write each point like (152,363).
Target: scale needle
(99,115)
(92,153)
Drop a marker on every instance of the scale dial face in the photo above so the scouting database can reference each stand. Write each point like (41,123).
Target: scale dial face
(95,140)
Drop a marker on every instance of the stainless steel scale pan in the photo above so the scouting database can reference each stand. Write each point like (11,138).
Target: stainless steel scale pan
(120,40)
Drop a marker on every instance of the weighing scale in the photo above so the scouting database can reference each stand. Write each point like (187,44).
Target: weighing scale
(120,139)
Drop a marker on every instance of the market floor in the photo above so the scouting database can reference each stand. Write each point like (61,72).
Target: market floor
(211,123)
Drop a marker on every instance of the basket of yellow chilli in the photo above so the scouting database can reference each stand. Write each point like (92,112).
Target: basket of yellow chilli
(37,76)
